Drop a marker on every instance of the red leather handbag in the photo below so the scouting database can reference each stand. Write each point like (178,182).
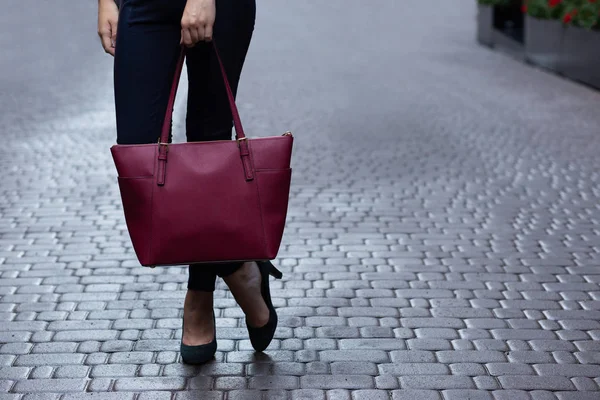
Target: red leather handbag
(201,202)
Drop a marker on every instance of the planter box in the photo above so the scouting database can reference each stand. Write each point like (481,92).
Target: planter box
(543,42)
(580,56)
(485,25)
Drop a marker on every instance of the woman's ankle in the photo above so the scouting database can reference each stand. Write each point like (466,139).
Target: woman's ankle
(198,314)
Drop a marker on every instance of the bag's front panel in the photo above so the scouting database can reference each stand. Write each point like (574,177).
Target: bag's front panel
(206,210)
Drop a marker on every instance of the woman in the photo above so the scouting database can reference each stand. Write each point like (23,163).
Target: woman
(145,37)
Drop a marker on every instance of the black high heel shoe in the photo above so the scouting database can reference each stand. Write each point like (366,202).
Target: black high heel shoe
(201,353)
(262,336)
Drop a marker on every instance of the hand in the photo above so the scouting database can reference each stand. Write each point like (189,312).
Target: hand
(108,16)
(197,22)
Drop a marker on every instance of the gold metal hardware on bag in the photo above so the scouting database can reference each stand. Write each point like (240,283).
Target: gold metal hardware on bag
(242,138)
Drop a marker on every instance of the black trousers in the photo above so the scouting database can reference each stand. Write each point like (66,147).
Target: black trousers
(146,53)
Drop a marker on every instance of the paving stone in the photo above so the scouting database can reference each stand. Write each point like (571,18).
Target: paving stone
(99,396)
(155,396)
(577,395)
(244,395)
(511,395)
(409,394)
(337,381)
(58,347)
(44,359)
(369,395)
(43,372)
(96,358)
(413,369)
(41,396)
(585,384)
(273,382)
(134,357)
(536,382)
(156,383)
(386,382)
(349,368)
(486,382)
(338,394)
(100,385)
(197,394)
(529,357)
(591,371)
(14,373)
(308,394)
(50,385)
(461,394)
(470,356)
(115,370)
(468,369)
(497,369)
(436,382)
(71,371)
(375,356)
(230,383)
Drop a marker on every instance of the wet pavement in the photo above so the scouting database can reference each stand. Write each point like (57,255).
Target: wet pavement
(443,236)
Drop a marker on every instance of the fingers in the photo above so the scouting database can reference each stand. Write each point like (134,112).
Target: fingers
(208,32)
(105,38)
(197,34)
(108,36)
(191,36)
(113,37)
(194,30)
(186,37)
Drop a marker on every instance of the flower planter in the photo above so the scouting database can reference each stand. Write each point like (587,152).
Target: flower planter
(580,55)
(485,25)
(543,40)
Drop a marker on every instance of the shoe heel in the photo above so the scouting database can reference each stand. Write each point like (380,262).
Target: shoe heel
(262,336)
(274,272)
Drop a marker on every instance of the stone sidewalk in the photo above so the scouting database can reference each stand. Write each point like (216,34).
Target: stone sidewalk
(443,238)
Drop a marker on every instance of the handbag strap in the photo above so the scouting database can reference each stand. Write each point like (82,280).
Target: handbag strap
(166,128)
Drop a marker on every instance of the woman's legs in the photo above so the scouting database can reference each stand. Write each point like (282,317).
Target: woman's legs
(146,54)
(147,49)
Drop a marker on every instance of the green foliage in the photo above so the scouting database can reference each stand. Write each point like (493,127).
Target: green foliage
(545,9)
(582,13)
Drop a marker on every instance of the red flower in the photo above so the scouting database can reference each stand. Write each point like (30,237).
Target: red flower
(524,8)
(569,17)
(554,3)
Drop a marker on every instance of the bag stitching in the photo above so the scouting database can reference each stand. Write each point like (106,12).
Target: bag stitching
(152,207)
(262,221)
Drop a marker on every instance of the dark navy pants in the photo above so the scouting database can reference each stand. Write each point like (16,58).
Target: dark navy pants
(146,53)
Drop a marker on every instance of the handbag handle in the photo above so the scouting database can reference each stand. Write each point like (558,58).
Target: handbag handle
(166,128)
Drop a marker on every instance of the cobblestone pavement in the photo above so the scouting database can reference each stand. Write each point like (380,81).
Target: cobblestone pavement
(443,240)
